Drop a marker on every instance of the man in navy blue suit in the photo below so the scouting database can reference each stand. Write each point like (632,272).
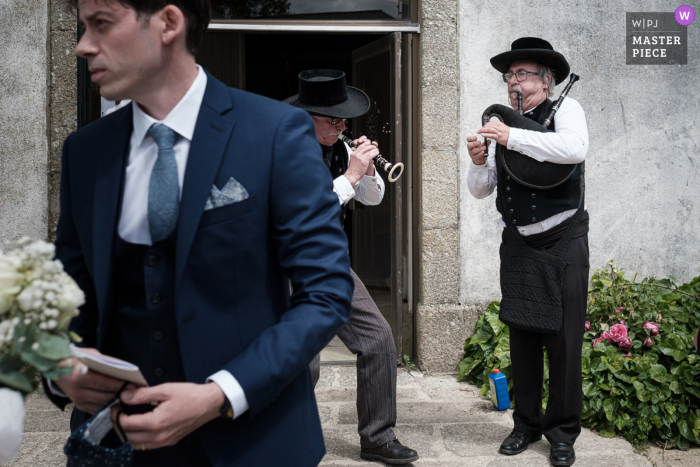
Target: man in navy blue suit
(184,216)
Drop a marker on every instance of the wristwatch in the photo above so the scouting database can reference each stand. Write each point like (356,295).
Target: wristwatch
(226,411)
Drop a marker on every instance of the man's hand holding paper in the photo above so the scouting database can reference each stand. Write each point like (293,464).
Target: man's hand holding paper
(88,389)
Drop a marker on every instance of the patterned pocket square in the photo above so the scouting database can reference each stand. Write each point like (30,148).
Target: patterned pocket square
(233,192)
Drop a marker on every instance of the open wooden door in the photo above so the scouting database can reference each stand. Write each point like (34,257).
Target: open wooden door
(377,234)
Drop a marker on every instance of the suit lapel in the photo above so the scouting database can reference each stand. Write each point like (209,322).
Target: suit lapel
(109,173)
(209,141)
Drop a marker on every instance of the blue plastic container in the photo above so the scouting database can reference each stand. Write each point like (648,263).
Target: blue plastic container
(499,390)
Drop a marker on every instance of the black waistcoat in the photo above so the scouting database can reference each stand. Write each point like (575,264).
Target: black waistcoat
(142,328)
(529,205)
(336,159)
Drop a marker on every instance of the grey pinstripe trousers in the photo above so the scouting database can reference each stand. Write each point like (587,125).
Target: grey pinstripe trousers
(369,336)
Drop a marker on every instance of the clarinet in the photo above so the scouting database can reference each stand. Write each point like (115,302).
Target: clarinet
(379,161)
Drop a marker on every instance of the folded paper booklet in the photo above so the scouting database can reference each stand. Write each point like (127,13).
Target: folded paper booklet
(113,367)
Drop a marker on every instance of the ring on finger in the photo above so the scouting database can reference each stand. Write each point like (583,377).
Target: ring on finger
(143,447)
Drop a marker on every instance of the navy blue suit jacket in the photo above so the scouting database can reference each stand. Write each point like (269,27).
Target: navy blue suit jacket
(233,263)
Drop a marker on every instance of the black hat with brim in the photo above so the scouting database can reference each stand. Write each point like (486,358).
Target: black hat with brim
(536,50)
(326,93)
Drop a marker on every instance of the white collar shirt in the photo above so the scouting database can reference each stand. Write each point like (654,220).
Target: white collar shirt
(143,152)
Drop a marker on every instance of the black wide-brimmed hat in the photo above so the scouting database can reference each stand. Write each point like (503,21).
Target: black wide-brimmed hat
(534,49)
(325,93)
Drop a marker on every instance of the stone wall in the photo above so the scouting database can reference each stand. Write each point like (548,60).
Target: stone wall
(642,169)
(23,118)
(38,95)
(63,97)
(441,319)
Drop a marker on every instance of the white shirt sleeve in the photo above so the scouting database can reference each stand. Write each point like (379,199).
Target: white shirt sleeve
(342,188)
(368,190)
(233,391)
(54,389)
(568,144)
(481,179)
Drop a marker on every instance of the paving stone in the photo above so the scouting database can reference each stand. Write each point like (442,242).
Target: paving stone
(41,449)
(47,420)
(446,421)
(325,414)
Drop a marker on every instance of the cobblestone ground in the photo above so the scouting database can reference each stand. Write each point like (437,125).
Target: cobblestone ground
(448,423)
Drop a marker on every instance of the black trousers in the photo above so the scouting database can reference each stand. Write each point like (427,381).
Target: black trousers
(561,423)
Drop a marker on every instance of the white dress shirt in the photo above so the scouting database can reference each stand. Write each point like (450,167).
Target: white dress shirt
(133,222)
(567,145)
(368,190)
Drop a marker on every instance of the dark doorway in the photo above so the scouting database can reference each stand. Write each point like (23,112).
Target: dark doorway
(268,64)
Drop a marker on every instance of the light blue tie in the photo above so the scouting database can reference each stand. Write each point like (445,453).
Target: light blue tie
(164,188)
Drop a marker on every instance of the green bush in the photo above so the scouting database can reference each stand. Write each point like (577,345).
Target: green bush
(645,386)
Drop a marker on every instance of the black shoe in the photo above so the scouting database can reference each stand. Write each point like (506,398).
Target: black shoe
(517,442)
(562,454)
(392,452)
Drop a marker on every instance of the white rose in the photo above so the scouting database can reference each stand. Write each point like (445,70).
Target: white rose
(9,280)
(70,297)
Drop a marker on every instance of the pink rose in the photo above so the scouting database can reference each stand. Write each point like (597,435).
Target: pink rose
(625,344)
(618,333)
(587,326)
(627,355)
(603,337)
(648,342)
(622,321)
(617,310)
(652,327)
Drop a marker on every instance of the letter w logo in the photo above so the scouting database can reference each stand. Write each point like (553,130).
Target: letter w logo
(637,23)
(685,15)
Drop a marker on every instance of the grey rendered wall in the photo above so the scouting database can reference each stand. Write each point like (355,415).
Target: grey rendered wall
(642,169)
(23,118)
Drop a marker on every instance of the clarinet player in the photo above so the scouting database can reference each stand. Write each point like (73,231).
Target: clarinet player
(326,97)
(541,218)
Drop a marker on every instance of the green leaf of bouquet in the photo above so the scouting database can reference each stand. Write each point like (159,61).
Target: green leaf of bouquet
(37,361)
(75,337)
(53,347)
(17,381)
(58,372)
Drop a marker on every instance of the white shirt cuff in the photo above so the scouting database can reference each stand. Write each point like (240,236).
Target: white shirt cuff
(54,389)
(343,189)
(476,167)
(233,391)
(514,139)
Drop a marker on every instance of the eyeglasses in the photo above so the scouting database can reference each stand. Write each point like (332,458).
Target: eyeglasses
(520,75)
(335,121)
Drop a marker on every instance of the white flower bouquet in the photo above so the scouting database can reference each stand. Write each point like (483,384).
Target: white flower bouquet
(37,302)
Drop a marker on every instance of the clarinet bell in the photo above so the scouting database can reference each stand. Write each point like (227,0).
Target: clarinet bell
(394,168)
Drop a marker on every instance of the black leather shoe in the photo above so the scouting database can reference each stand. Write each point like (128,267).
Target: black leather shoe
(517,442)
(562,454)
(392,452)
